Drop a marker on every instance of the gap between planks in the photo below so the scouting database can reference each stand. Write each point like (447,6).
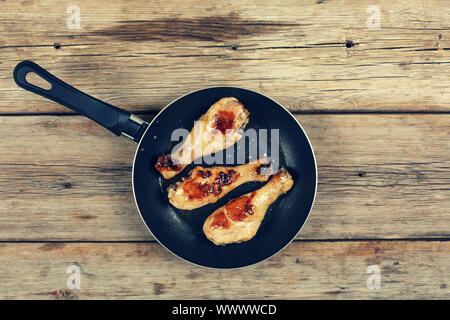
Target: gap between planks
(356,240)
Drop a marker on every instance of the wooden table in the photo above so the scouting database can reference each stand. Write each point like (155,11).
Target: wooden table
(374,102)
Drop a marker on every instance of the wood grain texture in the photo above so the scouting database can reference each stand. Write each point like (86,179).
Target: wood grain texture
(380,176)
(309,55)
(64,178)
(304,270)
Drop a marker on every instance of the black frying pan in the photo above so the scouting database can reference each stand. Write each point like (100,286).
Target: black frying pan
(181,231)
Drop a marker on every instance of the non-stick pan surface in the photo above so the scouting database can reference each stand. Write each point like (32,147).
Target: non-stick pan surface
(181,231)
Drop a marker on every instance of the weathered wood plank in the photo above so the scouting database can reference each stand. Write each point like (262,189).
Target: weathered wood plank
(380,176)
(304,270)
(308,55)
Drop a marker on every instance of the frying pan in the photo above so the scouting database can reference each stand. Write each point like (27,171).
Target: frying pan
(181,231)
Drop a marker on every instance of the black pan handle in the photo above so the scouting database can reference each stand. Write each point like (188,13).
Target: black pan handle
(118,121)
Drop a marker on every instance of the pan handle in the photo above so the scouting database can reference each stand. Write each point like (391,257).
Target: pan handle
(116,120)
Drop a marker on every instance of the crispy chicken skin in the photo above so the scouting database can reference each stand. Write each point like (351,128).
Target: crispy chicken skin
(216,130)
(239,219)
(207,185)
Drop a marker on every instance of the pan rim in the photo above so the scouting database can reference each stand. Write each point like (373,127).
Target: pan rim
(218,268)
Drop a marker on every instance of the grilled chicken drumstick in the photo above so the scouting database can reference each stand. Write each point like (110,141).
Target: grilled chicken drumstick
(207,185)
(239,219)
(216,130)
